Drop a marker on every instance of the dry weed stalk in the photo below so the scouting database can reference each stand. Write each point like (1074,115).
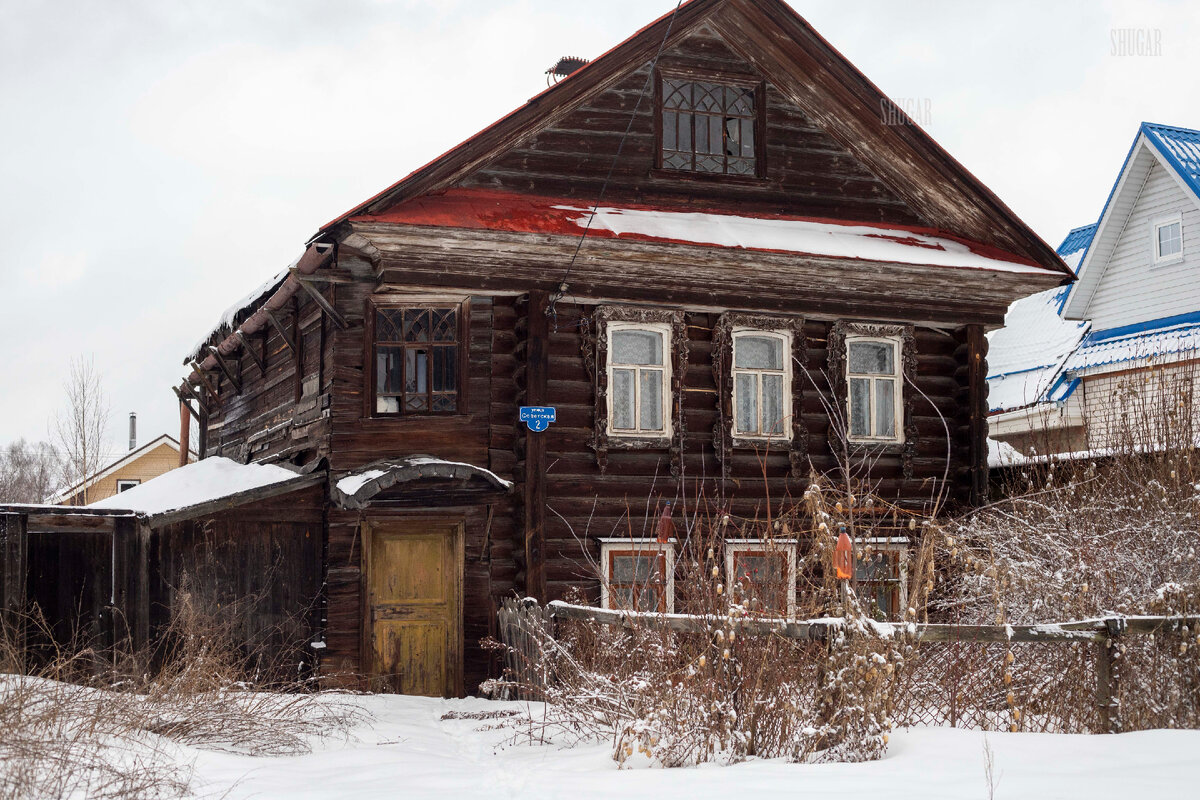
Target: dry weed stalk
(677,699)
(84,721)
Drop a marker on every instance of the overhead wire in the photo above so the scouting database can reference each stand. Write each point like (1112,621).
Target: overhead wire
(564,284)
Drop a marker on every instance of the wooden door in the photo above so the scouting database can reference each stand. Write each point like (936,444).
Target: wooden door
(414,607)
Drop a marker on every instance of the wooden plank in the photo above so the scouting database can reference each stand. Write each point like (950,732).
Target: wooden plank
(536,376)
(977,413)
(283,332)
(1091,630)
(234,500)
(14,550)
(233,379)
(250,351)
(320,300)
(208,387)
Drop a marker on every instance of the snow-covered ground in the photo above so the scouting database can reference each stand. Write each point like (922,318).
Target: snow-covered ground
(409,751)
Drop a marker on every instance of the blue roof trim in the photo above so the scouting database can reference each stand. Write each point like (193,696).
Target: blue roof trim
(1077,239)
(1173,142)
(1190,318)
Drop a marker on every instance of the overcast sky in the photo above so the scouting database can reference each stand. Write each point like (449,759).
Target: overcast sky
(161,158)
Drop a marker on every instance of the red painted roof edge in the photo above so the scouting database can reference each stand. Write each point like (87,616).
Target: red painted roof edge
(526,213)
(532,101)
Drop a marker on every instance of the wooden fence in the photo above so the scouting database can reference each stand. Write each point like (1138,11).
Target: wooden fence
(956,652)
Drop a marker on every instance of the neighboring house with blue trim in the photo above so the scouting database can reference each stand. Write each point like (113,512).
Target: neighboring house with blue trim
(1087,366)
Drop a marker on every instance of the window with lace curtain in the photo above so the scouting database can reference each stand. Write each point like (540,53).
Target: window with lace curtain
(874,380)
(762,384)
(639,379)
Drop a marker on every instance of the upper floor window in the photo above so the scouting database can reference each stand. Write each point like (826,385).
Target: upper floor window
(126,485)
(709,127)
(874,381)
(416,359)
(1168,240)
(761,384)
(639,379)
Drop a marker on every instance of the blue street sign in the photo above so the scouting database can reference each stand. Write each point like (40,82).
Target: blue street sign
(538,418)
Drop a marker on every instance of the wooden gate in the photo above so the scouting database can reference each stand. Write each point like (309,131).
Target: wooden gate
(414,606)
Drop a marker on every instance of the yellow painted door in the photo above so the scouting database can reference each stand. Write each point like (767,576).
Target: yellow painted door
(415,575)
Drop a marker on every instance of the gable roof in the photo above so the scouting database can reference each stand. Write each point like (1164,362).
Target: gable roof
(1027,356)
(1180,147)
(1177,150)
(808,71)
(120,464)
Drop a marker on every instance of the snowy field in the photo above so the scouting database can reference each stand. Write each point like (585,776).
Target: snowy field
(409,751)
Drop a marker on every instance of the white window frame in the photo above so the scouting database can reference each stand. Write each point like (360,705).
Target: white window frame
(904,548)
(128,483)
(638,546)
(787,547)
(1155,227)
(664,330)
(897,344)
(786,336)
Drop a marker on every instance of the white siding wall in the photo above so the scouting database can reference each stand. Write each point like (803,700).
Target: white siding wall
(1147,409)
(1133,289)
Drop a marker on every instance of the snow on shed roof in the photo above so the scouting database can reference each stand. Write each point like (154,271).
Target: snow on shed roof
(1025,356)
(485,209)
(204,481)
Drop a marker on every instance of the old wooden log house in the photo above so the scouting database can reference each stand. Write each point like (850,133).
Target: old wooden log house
(692,249)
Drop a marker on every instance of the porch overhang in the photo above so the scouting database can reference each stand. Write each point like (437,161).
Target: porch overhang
(417,480)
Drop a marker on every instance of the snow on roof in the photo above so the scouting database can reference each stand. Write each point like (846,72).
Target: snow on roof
(122,462)
(488,209)
(230,315)
(865,242)
(1027,354)
(356,489)
(1003,454)
(1181,148)
(1102,351)
(202,482)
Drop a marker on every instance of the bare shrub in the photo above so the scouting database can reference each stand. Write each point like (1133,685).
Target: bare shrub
(84,721)
(679,698)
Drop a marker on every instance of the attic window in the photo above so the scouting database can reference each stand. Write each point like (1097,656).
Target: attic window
(709,127)
(1168,240)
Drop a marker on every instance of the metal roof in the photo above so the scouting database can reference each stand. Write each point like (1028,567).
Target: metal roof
(1078,239)
(1180,147)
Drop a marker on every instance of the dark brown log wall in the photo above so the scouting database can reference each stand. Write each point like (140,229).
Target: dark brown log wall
(807,172)
(281,414)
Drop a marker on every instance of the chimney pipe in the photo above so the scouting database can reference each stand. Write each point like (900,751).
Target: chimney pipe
(132,431)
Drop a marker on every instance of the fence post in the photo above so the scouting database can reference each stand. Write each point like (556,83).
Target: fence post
(1108,673)
(14,562)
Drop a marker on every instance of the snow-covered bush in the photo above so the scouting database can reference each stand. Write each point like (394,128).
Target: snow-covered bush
(674,698)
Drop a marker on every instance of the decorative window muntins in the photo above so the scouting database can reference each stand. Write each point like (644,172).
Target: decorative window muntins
(762,575)
(709,127)
(639,379)
(874,383)
(761,380)
(416,359)
(1168,240)
(638,575)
